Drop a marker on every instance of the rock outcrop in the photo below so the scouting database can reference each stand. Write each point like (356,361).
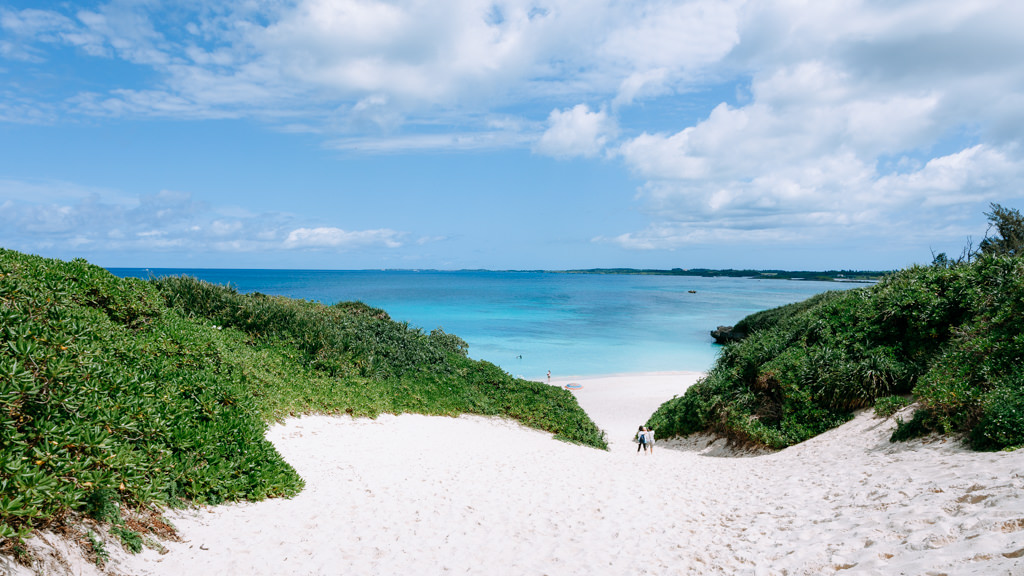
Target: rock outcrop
(726,334)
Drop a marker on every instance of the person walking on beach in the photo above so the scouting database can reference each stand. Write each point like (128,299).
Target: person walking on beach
(645,439)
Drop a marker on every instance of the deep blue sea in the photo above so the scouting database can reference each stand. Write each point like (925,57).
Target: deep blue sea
(532,322)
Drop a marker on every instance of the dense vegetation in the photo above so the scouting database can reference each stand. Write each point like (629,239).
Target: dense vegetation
(950,334)
(121,392)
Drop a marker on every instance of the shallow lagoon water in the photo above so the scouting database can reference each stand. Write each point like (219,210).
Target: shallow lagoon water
(532,322)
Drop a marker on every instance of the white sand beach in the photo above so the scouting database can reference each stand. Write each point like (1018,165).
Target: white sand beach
(471,495)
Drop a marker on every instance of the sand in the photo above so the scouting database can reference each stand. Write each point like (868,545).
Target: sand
(412,494)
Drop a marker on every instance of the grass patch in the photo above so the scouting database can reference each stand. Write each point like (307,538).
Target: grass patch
(98,550)
(130,539)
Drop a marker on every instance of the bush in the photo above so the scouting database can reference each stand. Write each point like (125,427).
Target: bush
(354,359)
(108,397)
(952,334)
(131,539)
(346,339)
(127,393)
(772,317)
(921,424)
(886,407)
(1002,422)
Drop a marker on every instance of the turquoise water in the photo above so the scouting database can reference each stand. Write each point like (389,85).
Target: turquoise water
(532,322)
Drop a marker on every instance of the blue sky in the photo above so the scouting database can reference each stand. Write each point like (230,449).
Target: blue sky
(540,134)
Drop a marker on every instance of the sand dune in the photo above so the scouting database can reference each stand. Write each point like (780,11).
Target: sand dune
(425,495)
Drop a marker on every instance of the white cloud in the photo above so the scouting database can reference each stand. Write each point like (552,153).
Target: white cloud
(674,235)
(43,24)
(646,83)
(18,110)
(326,237)
(854,114)
(833,199)
(38,215)
(798,114)
(667,34)
(975,174)
(847,105)
(485,140)
(576,132)
(412,60)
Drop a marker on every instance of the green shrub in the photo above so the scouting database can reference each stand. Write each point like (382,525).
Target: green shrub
(104,505)
(951,334)
(131,539)
(127,393)
(921,424)
(1002,422)
(772,317)
(353,358)
(347,339)
(889,405)
(99,550)
(108,397)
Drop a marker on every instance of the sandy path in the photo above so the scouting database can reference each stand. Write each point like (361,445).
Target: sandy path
(426,495)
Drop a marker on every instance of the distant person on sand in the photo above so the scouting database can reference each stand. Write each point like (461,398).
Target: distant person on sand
(641,439)
(549,376)
(645,439)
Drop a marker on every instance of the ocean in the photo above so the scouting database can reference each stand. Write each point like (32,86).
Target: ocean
(532,322)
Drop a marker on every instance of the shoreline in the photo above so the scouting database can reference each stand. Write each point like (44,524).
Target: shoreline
(558,378)
(623,375)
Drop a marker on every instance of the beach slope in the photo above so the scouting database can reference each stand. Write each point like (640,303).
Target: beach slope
(415,494)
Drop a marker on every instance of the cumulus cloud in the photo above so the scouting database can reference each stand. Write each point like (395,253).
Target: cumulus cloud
(833,198)
(847,105)
(663,45)
(576,132)
(386,63)
(978,173)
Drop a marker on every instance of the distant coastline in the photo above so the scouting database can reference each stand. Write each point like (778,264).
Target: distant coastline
(818,276)
(862,276)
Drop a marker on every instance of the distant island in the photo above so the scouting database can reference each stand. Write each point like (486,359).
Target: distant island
(824,276)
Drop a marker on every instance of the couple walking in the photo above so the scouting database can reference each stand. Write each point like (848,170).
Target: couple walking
(645,439)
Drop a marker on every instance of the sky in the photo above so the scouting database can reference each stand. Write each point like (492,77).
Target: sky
(518,134)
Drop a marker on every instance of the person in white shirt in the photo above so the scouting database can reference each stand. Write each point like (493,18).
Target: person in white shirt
(645,439)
